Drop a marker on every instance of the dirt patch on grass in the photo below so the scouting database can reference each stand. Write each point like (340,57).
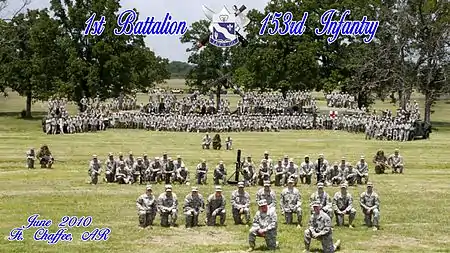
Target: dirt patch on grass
(183,237)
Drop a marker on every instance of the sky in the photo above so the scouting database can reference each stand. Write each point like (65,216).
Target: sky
(190,11)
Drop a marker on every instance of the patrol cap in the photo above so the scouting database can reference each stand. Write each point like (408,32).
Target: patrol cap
(343,158)
(110,154)
(241,185)
(362,157)
(344,185)
(148,187)
(156,158)
(291,180)
(306,156)
(218,188)
(321,155)
(249,156)
(168,188)
(130,153)
(316,203)
(266,152)
(169,158)
(139,158)
(335,164)
(120,154)
(194,189)
(203,161)
(291,160)
(369,184)
(221,162)
(264,160)
(320,185)
(178,156)
(396,150)
(286,156)
(266,183)
(121,163)
(94,156)
(145,155)
(165,153)
(262,202)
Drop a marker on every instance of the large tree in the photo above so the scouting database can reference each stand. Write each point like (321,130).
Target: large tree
(31,57)
(105,65)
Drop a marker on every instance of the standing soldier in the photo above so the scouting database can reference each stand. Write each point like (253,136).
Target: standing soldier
(94,169)
(370,205)
(320,229)
(202,172)
(229,143)
(240,204)
(194,204)
(264,225)
(290,203)
(326,204)
(31,157)
(146,205)
(182,175)
(342,205)
(267,194)
(362,171)
(215,207)
(306,171)
(220,173)
(396,162)
(111,167)
(168,207)
(279,173)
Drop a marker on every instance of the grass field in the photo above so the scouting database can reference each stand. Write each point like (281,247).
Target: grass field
(415,206)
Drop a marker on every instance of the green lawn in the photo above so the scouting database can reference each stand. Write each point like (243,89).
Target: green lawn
(415,206)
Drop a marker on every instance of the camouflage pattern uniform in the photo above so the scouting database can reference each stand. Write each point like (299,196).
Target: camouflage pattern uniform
(31,157)
(267,194)
(240,204)
(264,225)
(95,169)
(194,204)
(396,162)
(342,205)
(291,203)
(146,206)
(220,173)
(168,207)
(215,206)
(370,206)
(324,199)
(362,171)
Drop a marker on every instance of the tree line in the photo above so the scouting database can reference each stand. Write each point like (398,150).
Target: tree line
(411,51)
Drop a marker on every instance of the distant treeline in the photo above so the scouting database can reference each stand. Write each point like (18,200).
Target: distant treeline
(178,69)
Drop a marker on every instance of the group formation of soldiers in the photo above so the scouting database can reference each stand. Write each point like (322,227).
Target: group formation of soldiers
(273,103)
(341,100)
(322,209)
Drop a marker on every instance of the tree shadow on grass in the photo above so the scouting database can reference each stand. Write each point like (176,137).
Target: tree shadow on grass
(442,126)
(36,116)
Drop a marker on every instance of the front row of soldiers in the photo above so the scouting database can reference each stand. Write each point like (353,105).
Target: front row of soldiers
(265,222)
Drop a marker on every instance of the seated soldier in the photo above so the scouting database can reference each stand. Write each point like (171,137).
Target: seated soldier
(45,157)
(229,143)
(217,142)
(31,157)
(380,161)
(206,142)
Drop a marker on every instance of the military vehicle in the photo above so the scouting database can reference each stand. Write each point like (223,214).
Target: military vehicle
(420,130)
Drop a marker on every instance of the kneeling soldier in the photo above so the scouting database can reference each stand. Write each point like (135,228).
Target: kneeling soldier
(168,207)
(146,205)
(264,225)
(290,203)
(240,204)
(342,205)
(215,207)
(320,229)
(94,169)
(193,206)
(370,205)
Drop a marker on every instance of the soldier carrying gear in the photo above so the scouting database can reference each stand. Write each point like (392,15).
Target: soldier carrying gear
(45,157)
(201,172)
(320,229)
(168,207)
(194,204)
(265,224)
(31,157)
(220,173)
(240,204)
(146,206)
(94,169)
(215,207)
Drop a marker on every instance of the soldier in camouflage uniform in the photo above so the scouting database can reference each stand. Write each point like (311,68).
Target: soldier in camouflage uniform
(362,171)
(324,199)
(350,175)
(95,169)
(123,174)
(31,157)
(220,174)
(240,204)
(306,171)
(291,203)
(111,167)
(264,172)
(201,172)
(279,173)
(291,172)
(380,161)
(342,205)
(264,225)
(396,162)
(215,206)
(194,204)
(182,175)
(146,206)
(320,229)
(168,207)
(138,171)
(45,157)
(268,194)
(168,171)
(336,175)
(155,171)
(370,206)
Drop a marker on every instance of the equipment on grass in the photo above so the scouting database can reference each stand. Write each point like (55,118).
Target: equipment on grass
(237,171)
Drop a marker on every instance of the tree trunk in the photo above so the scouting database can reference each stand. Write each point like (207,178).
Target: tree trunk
(428,104)
(401,98)
(28,105)
(219,90)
